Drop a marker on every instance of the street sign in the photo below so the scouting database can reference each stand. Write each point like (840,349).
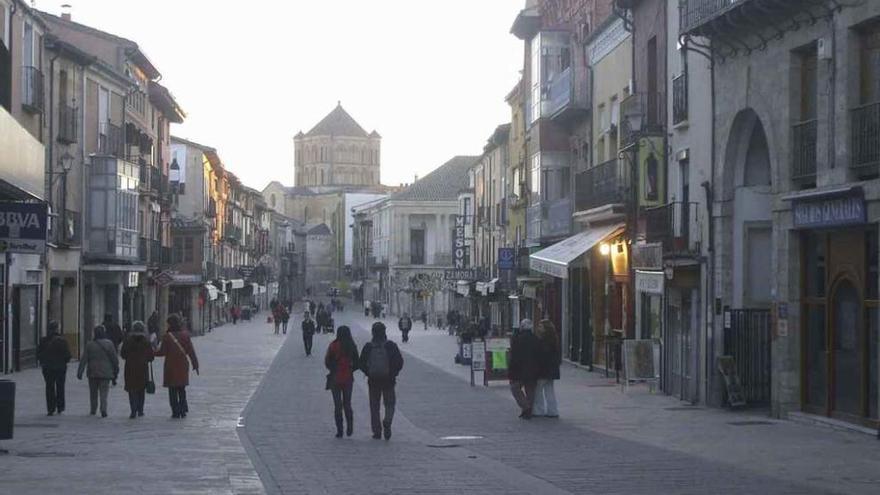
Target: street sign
(506,258)
(246,270)
(163,279)
(23,227)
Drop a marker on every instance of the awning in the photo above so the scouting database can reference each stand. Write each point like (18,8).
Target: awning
(554,260)
(212,292)
(236,283)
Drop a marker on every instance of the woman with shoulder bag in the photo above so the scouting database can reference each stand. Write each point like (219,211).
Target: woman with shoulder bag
(342,361)
(176,346)
(138,355)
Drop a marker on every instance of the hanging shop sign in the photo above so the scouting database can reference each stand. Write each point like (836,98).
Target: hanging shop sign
(830,211)
(459,253)
(23,227)
(506,258)
(132,279)
(650,282)
(469,274)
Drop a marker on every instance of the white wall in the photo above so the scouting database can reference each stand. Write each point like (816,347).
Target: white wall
(353,200)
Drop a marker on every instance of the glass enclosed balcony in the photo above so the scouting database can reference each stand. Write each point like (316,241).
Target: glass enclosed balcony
(113,207)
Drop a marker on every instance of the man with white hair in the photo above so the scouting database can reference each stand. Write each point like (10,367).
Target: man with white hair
(522,371)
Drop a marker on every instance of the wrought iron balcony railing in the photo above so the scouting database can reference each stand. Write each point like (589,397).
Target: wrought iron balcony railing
(676,225)
(865,136)
(680,98)
(110,140)
(605,184)
(803,142)
(32,89)
(67,120)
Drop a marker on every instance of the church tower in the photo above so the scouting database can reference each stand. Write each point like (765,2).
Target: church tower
(337,152)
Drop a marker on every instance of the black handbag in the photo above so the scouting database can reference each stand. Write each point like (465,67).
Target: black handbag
(329,384)
(150,387)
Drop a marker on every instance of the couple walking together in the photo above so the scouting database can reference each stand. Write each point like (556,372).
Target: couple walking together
(534,366)
(380,360)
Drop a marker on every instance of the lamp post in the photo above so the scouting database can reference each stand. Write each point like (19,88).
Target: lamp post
(65,161)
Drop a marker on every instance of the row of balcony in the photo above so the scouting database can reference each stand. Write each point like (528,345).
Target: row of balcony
(864,143)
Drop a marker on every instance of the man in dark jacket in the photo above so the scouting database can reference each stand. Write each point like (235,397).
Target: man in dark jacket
(54,354)
(114,331)
(381,361)
(308,329)
(524,367)
(405,325)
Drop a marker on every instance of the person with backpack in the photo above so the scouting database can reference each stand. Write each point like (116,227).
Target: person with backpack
(342,360)
(381,362)
(101,366)
(54,354)
(308,330)
(405,325)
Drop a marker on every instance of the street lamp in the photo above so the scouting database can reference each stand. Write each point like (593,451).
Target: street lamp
(65,161)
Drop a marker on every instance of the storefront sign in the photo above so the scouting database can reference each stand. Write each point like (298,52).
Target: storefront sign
(506,258)
(132,279)
(23,227)
(478,359)
(647,256)
(246,270)
(649,282)
(468,274)
(459,249)
(830,211)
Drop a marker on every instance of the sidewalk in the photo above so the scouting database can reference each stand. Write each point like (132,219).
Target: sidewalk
(76,453)
(828,459)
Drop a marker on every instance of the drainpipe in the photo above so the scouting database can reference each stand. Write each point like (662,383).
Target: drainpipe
(709,188)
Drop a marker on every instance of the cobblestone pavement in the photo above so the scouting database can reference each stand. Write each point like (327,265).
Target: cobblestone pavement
(80,454)
(605,442)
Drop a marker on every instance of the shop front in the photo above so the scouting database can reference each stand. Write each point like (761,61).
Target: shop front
(839,307)
(577,279)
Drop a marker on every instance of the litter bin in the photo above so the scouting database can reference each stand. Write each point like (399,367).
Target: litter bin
(7,408)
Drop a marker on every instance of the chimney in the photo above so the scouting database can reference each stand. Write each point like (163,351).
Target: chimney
(65,11)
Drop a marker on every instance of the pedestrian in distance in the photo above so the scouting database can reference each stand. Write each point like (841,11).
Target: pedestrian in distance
(381,362)
(405,325)
(176,346)
(276,317)
(101,366)
(233,314)
(424,318)
(342,360)
(308,331)
(285,318)
(54,354)
(523,368)
(114,331)
(366,308)
(550,358)
(153,325)
(312,308)
(138,355)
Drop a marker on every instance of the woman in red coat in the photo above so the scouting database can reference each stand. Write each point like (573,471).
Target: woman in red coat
(137,353)
(342,361)
(176,346)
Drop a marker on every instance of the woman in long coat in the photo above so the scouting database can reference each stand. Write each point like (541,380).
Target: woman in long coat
(137,353)
(549,359)
(176,346)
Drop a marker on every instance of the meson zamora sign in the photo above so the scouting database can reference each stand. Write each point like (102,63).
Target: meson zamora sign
(23,227)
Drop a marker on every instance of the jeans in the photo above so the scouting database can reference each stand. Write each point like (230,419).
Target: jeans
(284,327)
(136,401)
(405,334)
(277,327)
(307,342)
(545,399)
(524,394)
(342,403)
(98,386)
(54,388)
(383,391)
(177,398)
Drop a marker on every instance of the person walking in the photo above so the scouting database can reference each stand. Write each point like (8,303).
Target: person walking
(381,362)
(342,360)
(522,371)
(276,317)
(405,325)
(308,330)
(285,318)
(54,354)
(549,361)
(114,331)
(312,308)
(138,355)
(233,314)
(176,346)
(153,324)
(101,366)
(424,318)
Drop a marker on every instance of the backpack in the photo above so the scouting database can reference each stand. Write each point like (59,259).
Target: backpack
(379,364)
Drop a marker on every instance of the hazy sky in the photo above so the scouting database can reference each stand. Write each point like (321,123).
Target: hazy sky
(429,76)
